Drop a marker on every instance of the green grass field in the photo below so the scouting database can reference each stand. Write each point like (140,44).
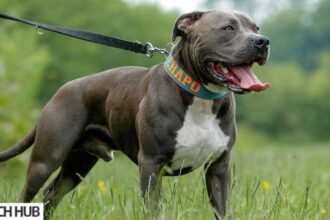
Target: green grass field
(268,183)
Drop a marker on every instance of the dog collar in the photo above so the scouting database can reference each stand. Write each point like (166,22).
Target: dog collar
(185,81)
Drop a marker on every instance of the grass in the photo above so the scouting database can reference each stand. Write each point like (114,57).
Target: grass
(268,183)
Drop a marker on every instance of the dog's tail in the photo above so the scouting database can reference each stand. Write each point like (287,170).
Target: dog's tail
(20,147)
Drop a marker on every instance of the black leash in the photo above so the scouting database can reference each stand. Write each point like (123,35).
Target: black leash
(148,49)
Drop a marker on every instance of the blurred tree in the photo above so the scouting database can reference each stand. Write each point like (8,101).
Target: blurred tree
(257,9)
(317,113)
(21,68)
(295,108)
(320,25)
(292,39)
(73,58)
(277,111)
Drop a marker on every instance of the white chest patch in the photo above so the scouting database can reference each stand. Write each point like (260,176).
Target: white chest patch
(200,139)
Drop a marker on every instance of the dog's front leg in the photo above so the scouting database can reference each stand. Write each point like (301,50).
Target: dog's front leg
(150,183)
(217,183)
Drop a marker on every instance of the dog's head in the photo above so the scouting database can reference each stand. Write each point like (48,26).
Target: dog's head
(221,48)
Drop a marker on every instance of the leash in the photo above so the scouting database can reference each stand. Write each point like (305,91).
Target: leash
(170,66)
(135,46)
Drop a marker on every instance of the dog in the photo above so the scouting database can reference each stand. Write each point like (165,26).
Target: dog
(169,119)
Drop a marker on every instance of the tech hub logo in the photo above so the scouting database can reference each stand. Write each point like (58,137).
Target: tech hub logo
(20,211)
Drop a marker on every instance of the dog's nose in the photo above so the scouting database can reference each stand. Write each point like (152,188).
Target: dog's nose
(261,42)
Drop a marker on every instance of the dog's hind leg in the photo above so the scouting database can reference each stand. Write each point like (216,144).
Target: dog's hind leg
(60,126)
(75,167)
(95,143)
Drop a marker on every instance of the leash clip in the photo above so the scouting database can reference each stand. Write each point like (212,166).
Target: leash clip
(40,32)
(151,50)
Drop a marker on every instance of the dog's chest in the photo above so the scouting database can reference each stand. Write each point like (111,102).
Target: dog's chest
(200,139)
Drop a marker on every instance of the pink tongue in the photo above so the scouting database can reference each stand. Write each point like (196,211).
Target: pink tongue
(248,79)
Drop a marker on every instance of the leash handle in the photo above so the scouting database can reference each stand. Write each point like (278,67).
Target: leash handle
(148,49)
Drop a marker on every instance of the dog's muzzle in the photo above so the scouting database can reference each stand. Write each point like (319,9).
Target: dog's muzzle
(240,77)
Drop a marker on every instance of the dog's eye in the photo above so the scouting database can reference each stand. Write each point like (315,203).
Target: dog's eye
(229,28)
(258,28)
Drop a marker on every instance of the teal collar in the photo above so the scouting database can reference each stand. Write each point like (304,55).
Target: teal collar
(185,81)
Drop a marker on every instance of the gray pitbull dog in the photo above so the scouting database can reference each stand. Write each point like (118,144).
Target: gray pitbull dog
(145,114)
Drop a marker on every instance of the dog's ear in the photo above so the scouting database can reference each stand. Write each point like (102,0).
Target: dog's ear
(184,22)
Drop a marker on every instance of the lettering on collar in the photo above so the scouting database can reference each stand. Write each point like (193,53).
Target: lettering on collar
(183,79)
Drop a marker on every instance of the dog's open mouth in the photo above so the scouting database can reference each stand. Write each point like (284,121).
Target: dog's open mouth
(238,78)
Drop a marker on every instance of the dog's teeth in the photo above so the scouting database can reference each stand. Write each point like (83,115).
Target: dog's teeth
(225,69)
